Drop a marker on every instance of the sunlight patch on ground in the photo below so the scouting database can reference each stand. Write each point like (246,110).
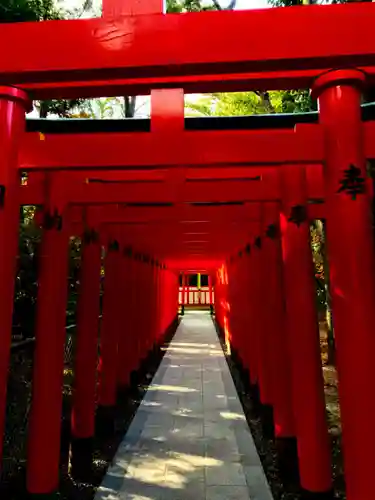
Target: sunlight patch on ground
(232,416)
(171,388)
(191,344)
(150,403)
(173,471)
(210,351)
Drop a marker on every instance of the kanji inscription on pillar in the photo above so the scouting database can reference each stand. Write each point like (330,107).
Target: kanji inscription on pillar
(114,246)
(90,236)
(258,242)
(298,215)
(272,231)
(52,220)
(352,182)
(2,195)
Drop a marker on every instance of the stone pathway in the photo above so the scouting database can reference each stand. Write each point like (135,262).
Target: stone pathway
(189,438)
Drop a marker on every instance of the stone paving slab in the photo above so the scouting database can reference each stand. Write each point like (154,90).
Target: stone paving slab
(189,438)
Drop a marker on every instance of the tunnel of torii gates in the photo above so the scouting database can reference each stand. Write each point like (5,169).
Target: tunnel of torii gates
(248,194)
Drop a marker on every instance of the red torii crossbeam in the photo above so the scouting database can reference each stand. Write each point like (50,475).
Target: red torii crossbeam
(134,150)
(226,184)
(138,46)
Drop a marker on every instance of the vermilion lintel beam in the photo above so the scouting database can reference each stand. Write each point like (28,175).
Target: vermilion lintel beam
(206,148)
(162,45)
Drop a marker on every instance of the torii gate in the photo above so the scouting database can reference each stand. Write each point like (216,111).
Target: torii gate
(129,49)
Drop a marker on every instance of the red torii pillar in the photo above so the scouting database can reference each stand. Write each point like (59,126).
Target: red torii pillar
(247,306)
(156,299)
(183,301)
(133,323)
(45,414)
(162,302)
(225,304)
(154,305)
(262,334)
(137,297)
(238,308)
(109,335)
(13,104)
(146,302)
(217,299)
(255,325)
(171,302)
(242,284)
(86,355)
(142,308)
(231,317)
(135,301)
(170,299)
(175,286)
(247,317)
(210,294)
(126,354)
(303,336)
(279,358)
(351,261)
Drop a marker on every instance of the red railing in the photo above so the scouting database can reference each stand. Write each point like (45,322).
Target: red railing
(196,296)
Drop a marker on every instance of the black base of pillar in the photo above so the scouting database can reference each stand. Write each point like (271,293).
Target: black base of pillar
(44,496)
(154,355)
(134,379)
(240,365)
(182,310)
(313,495)
(81,454)
(255,398)
(211,309)
(245,378)
(105,421)
(123,393)
(287,458)
(65,437)
(143,366)
(266,417)
(245,375)
(238,361)
(234,356)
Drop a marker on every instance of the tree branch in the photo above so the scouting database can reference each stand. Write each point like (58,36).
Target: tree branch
(231,5)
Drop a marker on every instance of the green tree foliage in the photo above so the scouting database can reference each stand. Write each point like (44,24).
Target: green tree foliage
(178,6)
(296,101)
(27,272)
(13,11)
(252,103)
(293,3)
(60,107)
(237,103)
(318,246)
